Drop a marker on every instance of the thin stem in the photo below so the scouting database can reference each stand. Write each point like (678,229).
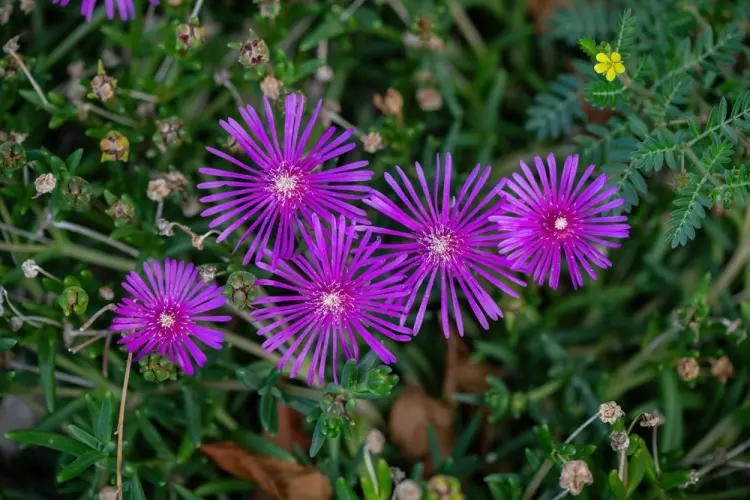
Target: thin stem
(235,94)
(62,377)
(141,96)
(467,28)
(351,10)
(536,481)
(196,9)
(18,313)
(42,319)
(75,349)
(560,495)
(47,274)
(736,263)
(730,455)
(108,307)
(581,427)
(26,234)
(122,120)
(371,469)
(36,86)
(121,423)
(105,354)
(655,447)
(622,469)
(159,210)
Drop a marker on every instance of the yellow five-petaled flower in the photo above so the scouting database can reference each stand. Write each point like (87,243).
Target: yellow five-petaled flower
(609,64)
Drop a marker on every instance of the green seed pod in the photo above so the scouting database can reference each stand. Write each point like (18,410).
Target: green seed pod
(122,209)
(155,368)
(190,36)
(73,299)
(74,194)
(253,53)
(170,133)
(240,288)
(12,157)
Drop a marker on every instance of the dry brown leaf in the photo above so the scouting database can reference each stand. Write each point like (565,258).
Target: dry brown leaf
(542,10)
(411,413)
(471,376)
(281,479)
(290,423)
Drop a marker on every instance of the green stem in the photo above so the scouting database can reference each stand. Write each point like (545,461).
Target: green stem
(536,481)
(544,391)
(76,252)
(221,415)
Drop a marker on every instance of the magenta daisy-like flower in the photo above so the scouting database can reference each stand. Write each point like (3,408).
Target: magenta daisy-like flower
(543,223)
(337,294)
(125,8)
(163,312)
(282,186)
(446,243)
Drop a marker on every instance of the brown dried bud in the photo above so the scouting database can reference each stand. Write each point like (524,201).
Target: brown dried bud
(435,44)
(106,293)
(28,6)
(176,181)
(429,99)
(619,440)
(722,369)
(158,189)
(164,227)
(253,53)
(408,490)
(15,323)
(654,419)
(688,369)
(392,104)
(207,273)
(197,241)
(169,133)
(103,86)
(190,36)
(375,441)
(45,183)
(30,269)
(12,45)
(610,412)
(115,147)
(575,476)
(324,73)
(372,142)
(271,87)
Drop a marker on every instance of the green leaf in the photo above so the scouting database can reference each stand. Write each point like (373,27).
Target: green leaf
(7,344)
(532,458)
(47,353)
(317,438)
(103,427)
(626,31)
(74,160)
(637,469)
(344,491)
(134,490)
(268,416)
(192,415)
(348,373)
(50,440)
(152,435)
(588,46)
(185,493)
(223,486)
(385,482)
(331,27)
(368,488)
(616,486)
(554,113)
(84,437)
(79,465)
(673,479)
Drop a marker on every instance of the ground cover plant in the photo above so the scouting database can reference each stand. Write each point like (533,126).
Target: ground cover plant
(389,249)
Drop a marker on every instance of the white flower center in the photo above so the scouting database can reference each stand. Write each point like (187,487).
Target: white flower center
(284,186)
(331,302)
(561,223)
(166,320)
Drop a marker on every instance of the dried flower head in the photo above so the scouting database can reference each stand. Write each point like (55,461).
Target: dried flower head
(176,181)
(330,299)
(106,293)
(722,369)
(13,136)
(28,6)
(324,73)
(125,8)
(390,105)
(12,156)
(372,142)
(692,479)
(688,369)
(271,87)
(191,206)
(429,99)
(115,147)
(103,86)
(207,273)
(575,476)
(445,243)
(158,189)
(30,269)
(540,225)
(435,43)
(610,412)
(15,323)
(375,440)
(45,183)
(169,133)
(269,8)
(408,490)
(253,52)
(279,189)
(6,10)
(190,36)
(619,440)
(164,312)
(654,419)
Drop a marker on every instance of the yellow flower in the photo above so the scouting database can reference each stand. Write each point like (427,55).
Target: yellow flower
(609,64)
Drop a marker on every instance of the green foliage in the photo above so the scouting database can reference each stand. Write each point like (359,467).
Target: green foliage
(554,113)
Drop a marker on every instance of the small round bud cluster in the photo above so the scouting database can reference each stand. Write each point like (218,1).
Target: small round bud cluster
(176,181)
(170,133)
(722,369)
(106,293)
(391,104)
(30,269)
(408,490)
(12,156)
(240,288)
(45,183)
(103,86)
(253,52)
(375,441)
(429,99)
(575,476)
(688,369)
(619,440)
(372,142)
(190,35)
(610,412)
(155,368)
(443,488)
(73,299)
(75,193)
(324,74)
(158,189)
(115,147)
(271,87)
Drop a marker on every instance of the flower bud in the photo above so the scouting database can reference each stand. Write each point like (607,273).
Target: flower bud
(156,368)
(103,86)
(619,440)
(408,490)
(610,412)
(324,73)
(122,209)
(190,36)
(240,288)
(74,193)
(429,99)
(45,183)
(651,419)
(390,105)
(207,273)
(106,293)
(575,476)
(381,381)
(170,133)
(30,269)
(444,488)
(271,87)
(157,190)
(688,369)
(722,369)
(253,53)
(372,142)
(15,323)
(375,441)
(12,156)
(73,299)
(115,147)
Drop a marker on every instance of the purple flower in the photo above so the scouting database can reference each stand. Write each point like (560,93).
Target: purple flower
(338,293)
(125,8)
(542,224)
(284,186)
(162,314)
(446,242)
